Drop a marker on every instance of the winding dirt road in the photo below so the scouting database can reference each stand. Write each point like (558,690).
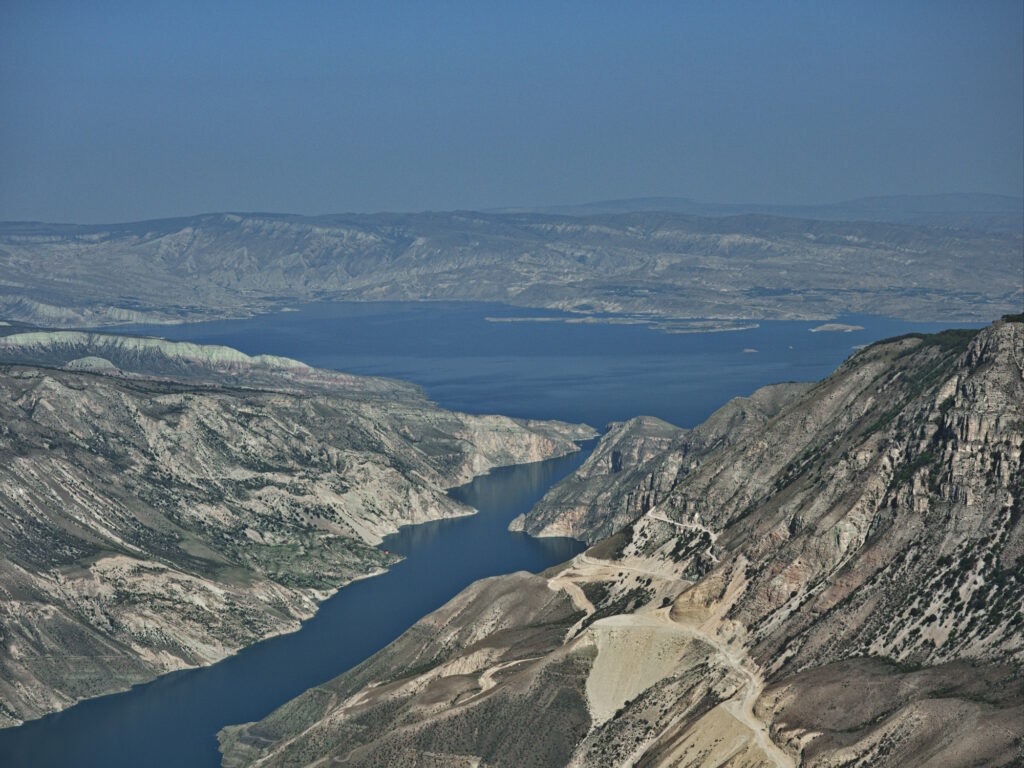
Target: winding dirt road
(741,706)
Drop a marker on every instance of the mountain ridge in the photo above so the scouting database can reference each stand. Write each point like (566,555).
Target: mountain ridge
(156,522)
(637,461)
(654,265)
(958,208)
(840,586)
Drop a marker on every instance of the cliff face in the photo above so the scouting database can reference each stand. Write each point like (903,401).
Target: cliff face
(620,479)
(842,586)
(152,524)
(638,461)
(901,474)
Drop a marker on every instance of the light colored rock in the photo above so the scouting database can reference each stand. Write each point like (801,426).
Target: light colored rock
(148,525)
(840,585)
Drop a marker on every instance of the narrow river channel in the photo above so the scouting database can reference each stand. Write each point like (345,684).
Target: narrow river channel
(173,721)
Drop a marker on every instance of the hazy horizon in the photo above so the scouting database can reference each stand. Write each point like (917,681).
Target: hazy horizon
(552,209)
(119,112)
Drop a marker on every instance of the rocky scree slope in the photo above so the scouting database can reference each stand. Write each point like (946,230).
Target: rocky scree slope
(148,525)
(652,265)
(638,461)
(842,586)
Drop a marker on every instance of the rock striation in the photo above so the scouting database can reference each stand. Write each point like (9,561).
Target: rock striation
(154,522)
(840,586)
(638,461)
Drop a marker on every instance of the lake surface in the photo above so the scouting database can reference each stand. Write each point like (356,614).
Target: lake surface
(581,372)
(593,373)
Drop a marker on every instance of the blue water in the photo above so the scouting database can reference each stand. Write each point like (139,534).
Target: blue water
(591,373)
(173,721)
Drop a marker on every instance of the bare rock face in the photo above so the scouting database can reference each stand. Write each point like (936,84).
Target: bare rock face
(637,461)
(617,482)
(840,586)
(148,524)
(901,472)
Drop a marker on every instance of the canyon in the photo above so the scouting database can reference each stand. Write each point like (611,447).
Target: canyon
(839,585)
(164,504)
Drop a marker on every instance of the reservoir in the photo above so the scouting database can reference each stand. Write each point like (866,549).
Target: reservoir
(592,372)
(544,364)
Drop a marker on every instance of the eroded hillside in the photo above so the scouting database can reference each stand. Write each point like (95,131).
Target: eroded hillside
(842,586)
(149,524)
(638,461)
(649,265)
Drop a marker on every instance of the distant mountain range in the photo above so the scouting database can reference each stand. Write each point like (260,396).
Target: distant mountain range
(1001,213)
(652,265)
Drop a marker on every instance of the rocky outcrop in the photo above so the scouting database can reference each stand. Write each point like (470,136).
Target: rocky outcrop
(637,461)
(620,479)
(151,358)
(149,524)
(841,586)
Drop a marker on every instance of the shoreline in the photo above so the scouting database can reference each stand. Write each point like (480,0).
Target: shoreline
(318,597)
(665,323)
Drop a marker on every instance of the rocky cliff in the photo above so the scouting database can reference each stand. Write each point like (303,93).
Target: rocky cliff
(149,524)
(841,586)
(637,461)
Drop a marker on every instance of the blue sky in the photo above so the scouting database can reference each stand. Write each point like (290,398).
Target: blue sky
(118,111)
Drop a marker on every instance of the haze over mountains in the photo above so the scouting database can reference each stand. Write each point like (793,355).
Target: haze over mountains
(653,265)
(512,385)
(980,211)
(820,573)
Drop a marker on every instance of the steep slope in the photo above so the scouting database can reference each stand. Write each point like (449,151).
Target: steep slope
(152,524)
(461,707)
(651,265)
(843,586)
(150,358)
(620,479)
(637,461)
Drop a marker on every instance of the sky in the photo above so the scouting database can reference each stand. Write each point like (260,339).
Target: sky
(119,111)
